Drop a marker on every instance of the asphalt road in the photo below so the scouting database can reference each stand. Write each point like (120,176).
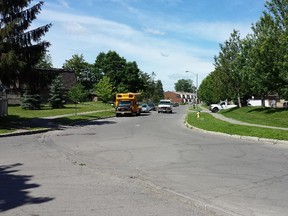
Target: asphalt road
(147,165)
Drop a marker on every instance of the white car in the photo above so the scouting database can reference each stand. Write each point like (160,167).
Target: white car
(145,108)
(165,106)
(220,106)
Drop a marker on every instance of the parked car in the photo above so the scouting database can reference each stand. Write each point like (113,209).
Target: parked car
(145,108)
(152,106)
(220,106)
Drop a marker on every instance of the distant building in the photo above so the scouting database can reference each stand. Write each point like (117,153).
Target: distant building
(68,78)
(180,97)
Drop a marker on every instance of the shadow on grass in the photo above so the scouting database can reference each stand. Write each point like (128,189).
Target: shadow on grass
(14,188)
(268,110)
(264,110)
(13,122)
(230,110)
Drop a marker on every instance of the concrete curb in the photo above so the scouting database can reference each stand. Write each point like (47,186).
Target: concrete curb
(257,139)
(28,132)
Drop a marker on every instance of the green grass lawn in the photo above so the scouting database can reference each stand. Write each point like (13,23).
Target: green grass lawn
(48,111)
(277,117)
(208,122)
(20,119)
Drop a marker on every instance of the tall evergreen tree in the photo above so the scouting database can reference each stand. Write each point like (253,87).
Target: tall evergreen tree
(57,93)
(30,100)
(20,46)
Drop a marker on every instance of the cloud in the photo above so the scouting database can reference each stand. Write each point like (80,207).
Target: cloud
(89,35)
(154,31)
(74,27)
(64,4)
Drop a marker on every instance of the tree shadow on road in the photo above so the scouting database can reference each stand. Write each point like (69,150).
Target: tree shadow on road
(13,189)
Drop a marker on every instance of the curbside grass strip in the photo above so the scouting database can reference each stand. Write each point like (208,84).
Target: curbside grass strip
(249,138)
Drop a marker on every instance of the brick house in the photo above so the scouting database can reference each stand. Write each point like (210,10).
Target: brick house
(180,97)
(68,78)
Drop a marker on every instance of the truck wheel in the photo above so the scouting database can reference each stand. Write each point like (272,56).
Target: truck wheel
(117,114)
(215,109)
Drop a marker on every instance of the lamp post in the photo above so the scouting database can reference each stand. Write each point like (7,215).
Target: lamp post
(195,74)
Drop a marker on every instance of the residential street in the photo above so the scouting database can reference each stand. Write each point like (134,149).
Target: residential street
(147,165)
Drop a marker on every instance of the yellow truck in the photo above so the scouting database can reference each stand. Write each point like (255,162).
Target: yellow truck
(126,104)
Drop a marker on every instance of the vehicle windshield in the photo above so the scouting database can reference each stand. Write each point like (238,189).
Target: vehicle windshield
(165,102)
(125,103)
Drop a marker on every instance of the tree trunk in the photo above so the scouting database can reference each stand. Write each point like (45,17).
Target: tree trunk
(239,99)
(263,100)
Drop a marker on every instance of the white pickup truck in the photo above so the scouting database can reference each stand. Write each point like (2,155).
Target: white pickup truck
(220,106)
(165,106)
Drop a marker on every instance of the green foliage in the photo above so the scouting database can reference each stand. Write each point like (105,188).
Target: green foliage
(277,117)
(104,89)
(256,65)
(45,62)
(158,92)
(208,122)
(84,71)
(30,100)
(78,93)
(184,85)
(214,88)
(124,76)
(152,90)
(20,46)
(57,93)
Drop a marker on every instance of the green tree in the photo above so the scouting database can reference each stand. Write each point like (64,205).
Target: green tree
(45,62)
(231,62)
(152,90)
(212,89)
(268,65)
(20,46)
(30,100)
(83,71)
(77,94)
(124,76)
(158,92)
(57,93)
(184,85)
(104,89)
